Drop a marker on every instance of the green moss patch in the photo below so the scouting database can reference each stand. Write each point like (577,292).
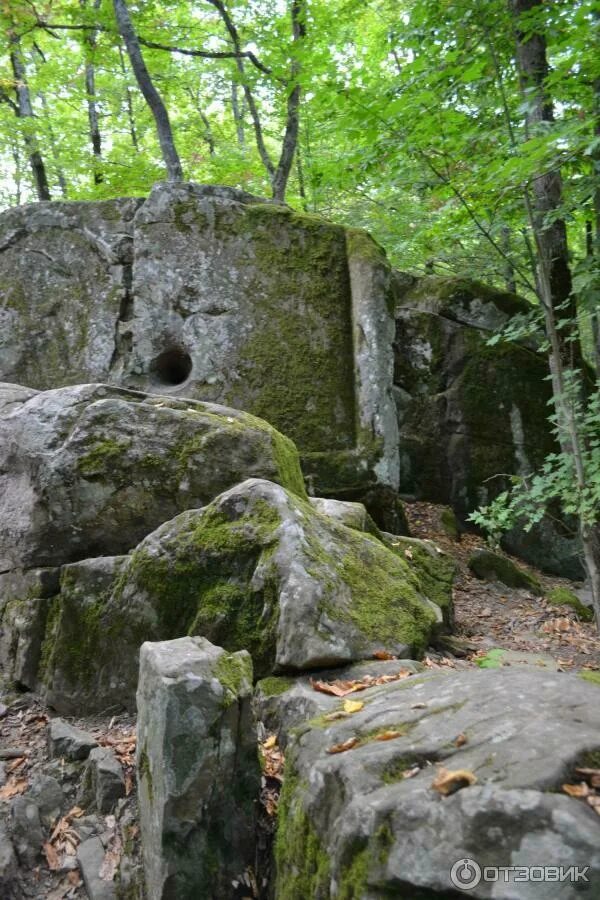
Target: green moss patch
(561,596)
(203,585)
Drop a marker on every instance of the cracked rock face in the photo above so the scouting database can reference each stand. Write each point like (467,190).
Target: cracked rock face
(65,270)
(210,293)
(352,825)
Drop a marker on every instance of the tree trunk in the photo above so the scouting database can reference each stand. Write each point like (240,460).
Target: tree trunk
(290,138)
(252,107)
(151,95)
(543,200)
(25,112)
(16,153)
(60,175)
(509,269)
(129,103)
(92,107)
(546,187)
(237,116)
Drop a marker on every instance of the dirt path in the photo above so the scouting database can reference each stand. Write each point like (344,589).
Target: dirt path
(492,616)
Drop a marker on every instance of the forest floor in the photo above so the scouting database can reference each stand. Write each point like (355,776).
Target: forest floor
(489,617)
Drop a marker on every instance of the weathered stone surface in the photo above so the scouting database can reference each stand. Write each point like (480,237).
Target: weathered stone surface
(70,653)
(353,515)
(67,741)
(90,855)
(103,783)
(350,824)
(491,566)
(49,798)
(283,702)
(24,604)
(26,828)
(90,470)
(198,770)
(63,290)
(468,412)
(10,888)
(259,569)
(208,292)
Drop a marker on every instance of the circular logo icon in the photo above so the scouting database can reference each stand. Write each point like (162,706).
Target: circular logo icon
(465,874)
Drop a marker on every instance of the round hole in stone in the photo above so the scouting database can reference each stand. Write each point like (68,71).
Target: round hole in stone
(171,366)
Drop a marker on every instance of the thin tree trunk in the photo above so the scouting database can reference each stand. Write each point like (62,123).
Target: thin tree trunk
(16,153)
(543,201)
(301,185)
(25,112)
(60,175)
(207,134)
(237,116)
(547,186)
(92,107)
(129,104)
(290,138)
(509,269)
(151,95)
(252,108)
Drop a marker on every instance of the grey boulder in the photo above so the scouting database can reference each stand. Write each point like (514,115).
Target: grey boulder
(369,823)
(198,770)
(260,569)
(68,741)
(90,470)
(103,783)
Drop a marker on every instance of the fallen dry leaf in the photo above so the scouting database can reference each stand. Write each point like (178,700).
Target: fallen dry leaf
(594,802)
(576,790)
(383,655)
(337,714)
(52,857)
(13,787)
(341,688)
(410,773)
(389,735)
(447,782)
(110,864)
(408,553)
(270,742)
(591,775)
(341,748)
(353,706)
(15,764)
(461,740)
(128,783)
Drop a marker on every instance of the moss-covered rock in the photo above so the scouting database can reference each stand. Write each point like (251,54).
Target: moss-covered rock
(352,825)
(491,566)
(93,469)
(258,569)
(472,415)
(561,596)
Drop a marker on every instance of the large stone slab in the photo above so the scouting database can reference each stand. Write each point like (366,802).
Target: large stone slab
(210,293)
(351,824)
(90,470)
(198,769)
(470,415)
(63,288)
